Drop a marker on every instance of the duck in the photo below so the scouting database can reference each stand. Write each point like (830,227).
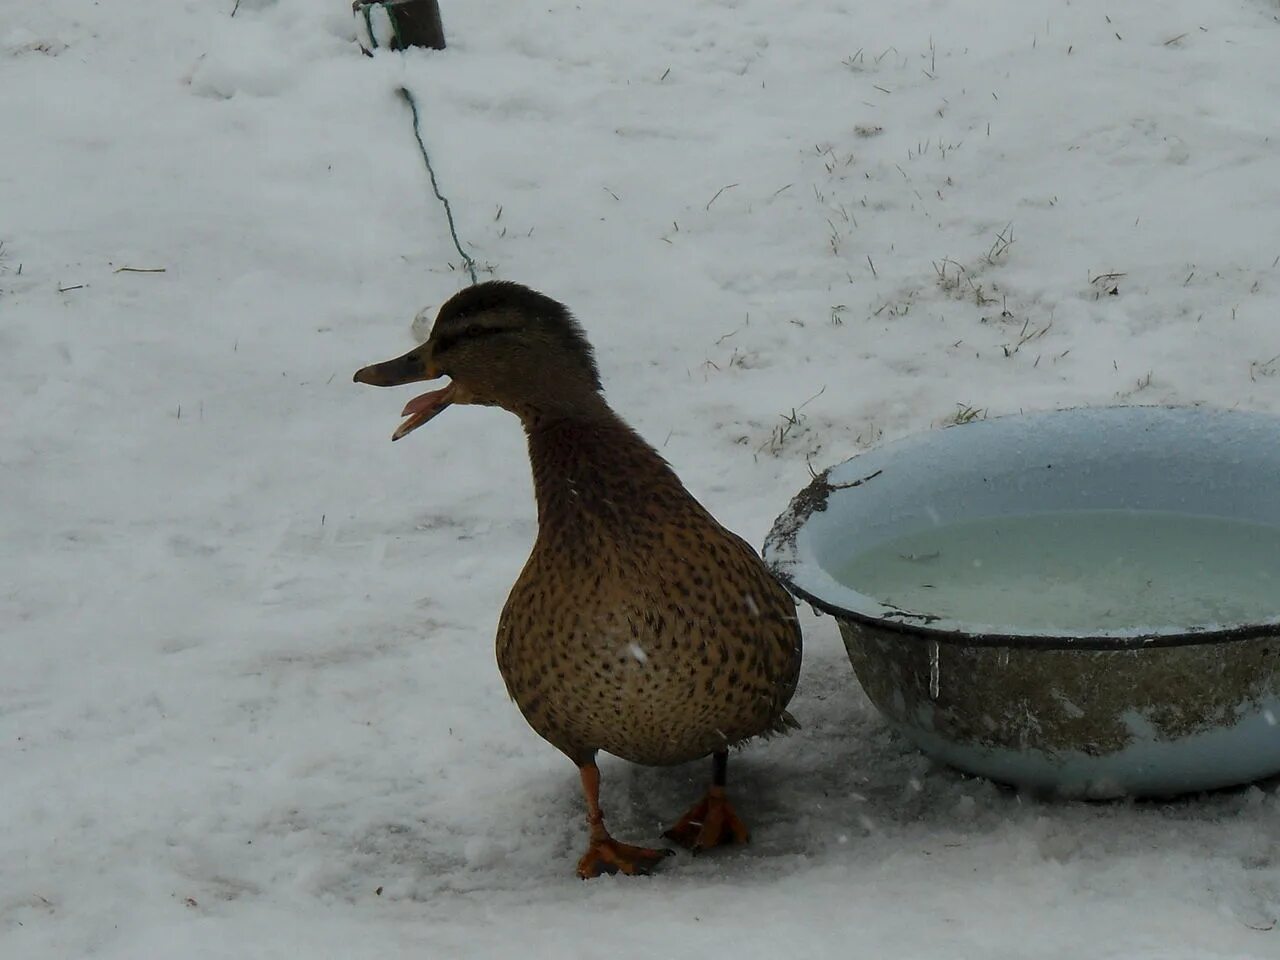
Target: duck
(640,626)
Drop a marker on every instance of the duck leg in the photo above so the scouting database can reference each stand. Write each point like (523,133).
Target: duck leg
(605,854)
(711,822)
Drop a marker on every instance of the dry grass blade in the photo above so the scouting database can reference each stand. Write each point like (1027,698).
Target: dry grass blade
(967,414)
(727,186)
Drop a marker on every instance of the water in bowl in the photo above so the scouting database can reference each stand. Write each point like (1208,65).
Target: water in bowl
(1080,572)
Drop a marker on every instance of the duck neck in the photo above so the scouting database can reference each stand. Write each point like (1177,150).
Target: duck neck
(591,470)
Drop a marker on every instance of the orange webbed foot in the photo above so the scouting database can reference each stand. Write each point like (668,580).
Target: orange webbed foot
(610,856)
(711,822)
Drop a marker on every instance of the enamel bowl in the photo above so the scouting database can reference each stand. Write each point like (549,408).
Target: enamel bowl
(1143,709)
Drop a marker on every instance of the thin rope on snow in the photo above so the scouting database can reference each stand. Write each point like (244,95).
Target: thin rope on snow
(448,211)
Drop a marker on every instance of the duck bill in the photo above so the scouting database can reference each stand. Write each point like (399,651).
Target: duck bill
(414,366)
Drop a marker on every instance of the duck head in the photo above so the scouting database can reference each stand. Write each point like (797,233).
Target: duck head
(501,345)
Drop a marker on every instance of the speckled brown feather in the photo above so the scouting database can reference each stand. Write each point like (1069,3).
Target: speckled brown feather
(639,626)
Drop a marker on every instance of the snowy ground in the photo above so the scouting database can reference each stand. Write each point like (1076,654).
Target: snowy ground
(246,675)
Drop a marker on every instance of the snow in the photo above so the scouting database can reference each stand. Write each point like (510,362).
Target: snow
(246,680)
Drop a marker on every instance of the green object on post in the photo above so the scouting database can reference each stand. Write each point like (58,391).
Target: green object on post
(414,23)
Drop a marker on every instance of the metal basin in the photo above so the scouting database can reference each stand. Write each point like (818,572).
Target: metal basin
(1147,710)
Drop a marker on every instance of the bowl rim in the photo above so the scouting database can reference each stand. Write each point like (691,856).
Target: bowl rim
(813,499)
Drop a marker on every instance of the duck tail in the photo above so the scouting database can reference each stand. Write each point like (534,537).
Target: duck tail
(782,726)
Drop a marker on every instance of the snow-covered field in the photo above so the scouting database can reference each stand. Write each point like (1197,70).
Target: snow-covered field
(248,703)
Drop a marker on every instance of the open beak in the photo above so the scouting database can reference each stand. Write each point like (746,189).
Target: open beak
(414,366)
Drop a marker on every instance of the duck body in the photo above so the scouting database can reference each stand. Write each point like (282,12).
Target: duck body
(640,626)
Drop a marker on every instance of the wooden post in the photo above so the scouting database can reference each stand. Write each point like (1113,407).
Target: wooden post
(414,23)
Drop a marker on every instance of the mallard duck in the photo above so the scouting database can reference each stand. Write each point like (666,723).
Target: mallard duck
(639,626)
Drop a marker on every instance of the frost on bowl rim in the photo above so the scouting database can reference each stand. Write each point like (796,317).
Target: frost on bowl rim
(1146,712)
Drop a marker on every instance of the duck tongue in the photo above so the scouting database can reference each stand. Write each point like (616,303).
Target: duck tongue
(423,408)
